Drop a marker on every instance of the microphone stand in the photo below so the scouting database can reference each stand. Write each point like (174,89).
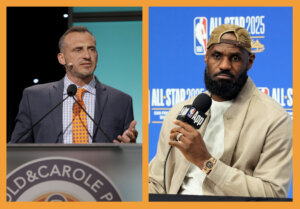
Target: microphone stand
(26,132)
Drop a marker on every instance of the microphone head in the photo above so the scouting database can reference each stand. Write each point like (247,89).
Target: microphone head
(71,90)
(202,102)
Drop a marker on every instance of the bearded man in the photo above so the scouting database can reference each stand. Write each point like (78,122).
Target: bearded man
(244,148)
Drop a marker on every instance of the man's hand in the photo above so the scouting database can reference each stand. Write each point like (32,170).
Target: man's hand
(191,143)
(130,135)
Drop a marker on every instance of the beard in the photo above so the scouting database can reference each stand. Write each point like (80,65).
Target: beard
(224,88)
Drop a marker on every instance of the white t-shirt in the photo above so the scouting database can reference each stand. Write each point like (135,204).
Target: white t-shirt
(214,141)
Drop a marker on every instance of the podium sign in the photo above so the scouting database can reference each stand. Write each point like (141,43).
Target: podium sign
(62,172)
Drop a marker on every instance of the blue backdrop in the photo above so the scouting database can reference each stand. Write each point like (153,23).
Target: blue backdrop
(177,47)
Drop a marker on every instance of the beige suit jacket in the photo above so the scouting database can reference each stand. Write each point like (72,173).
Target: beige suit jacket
(257,159)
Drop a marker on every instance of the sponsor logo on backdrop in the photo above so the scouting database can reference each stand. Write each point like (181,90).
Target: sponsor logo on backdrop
(203,26)
(161,100)
(59,179)
(200,35)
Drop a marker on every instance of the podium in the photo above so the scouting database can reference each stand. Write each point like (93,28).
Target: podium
(74,172)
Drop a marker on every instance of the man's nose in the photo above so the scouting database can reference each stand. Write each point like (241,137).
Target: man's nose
(87,54)
(225,64)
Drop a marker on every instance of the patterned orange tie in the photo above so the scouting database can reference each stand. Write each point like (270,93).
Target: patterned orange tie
(79,121)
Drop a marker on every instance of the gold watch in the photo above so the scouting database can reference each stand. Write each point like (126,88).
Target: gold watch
(208,165)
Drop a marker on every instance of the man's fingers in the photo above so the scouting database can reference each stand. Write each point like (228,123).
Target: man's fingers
(134,132)
(180,130)
(132,124)
(124,138)
(173,137)
(178,145)
(184,125)
(130,134)
(116,141)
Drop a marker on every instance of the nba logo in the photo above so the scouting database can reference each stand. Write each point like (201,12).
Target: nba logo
(191,112)
(200,35)
(264,90)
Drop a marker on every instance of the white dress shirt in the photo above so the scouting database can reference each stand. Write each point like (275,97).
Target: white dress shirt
(89,99)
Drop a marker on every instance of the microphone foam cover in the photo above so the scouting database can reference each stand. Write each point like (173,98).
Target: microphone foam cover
(202,102)
(72,89)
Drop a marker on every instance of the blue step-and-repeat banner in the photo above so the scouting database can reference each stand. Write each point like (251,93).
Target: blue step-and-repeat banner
(177,45)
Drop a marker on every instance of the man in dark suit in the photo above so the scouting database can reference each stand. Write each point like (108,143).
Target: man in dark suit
(110,108)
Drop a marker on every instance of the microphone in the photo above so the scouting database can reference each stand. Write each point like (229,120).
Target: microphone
(71,91)
(107,137)
(70,65)
(194,115)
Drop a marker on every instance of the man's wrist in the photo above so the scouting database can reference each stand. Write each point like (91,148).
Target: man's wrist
(208,165)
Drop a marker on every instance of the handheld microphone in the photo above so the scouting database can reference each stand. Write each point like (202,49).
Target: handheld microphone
(107,137)
(71,91)
(194,115)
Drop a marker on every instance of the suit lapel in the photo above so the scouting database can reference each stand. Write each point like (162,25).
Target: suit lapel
(101,99)
(56,96)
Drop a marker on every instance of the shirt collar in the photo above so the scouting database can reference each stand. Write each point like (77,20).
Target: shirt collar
(90,87)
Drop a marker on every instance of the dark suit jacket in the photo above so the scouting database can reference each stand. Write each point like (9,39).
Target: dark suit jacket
(113,113)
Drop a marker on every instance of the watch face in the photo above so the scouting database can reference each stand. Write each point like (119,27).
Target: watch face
(209,164)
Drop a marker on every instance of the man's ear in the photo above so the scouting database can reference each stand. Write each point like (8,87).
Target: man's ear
(205,58)
(251,59)
(61,58)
